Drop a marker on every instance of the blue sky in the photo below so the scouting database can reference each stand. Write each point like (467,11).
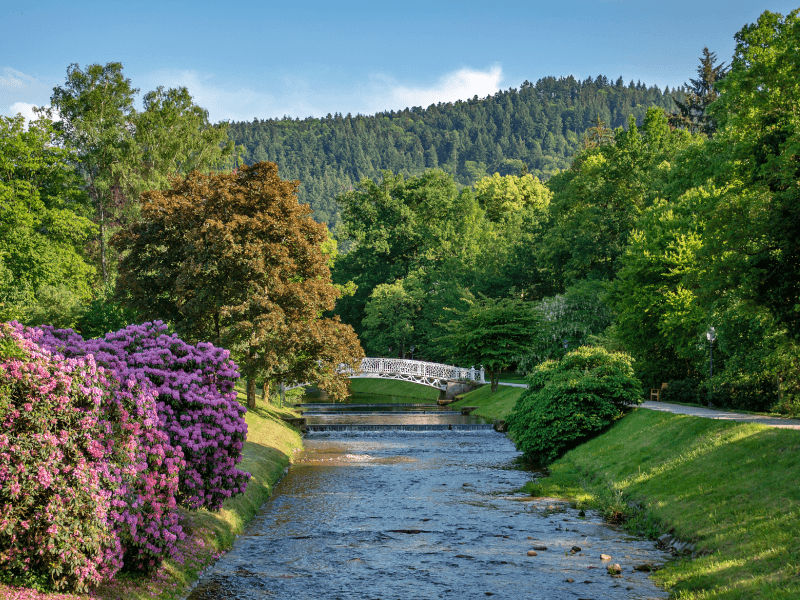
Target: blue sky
(267,59)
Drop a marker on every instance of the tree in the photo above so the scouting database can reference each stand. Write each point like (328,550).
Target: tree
(43,275)
(692,110)
(121,152)
(492,333)
(234,257)
(397,226)
(501,195)
(389,320)
(596,203)
(758,130)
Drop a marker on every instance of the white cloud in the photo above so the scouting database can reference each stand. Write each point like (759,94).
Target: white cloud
(297,97)
(242,104)
(459,85)
(19,93)
(25,109)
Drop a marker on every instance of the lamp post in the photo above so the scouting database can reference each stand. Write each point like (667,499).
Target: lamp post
(565,341)
(412,351)
(711,335)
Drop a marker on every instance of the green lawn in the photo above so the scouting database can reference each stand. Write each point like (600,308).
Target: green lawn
(491,406)
(390,387)
(730,487)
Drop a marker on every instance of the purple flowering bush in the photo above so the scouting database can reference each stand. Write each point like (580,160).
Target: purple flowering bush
(196,400)
(56,482)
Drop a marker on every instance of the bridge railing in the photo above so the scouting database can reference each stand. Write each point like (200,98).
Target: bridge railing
(420,369)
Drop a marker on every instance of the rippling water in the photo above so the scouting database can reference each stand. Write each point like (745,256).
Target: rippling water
(406,515)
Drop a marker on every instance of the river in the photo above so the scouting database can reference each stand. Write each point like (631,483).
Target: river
(397,514)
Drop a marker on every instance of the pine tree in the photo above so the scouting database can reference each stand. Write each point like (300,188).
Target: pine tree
(691,113)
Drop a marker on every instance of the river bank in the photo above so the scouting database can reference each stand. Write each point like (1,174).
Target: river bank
(267,452)
(728,488)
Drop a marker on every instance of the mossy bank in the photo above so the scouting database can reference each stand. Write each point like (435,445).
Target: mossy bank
(266,453)
(730,488)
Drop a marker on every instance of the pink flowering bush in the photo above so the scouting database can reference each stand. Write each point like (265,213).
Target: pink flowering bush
(56,480)
(196,402)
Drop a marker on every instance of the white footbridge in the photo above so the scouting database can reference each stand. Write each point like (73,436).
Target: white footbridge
(416,371)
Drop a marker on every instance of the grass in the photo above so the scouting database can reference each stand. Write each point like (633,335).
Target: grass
(392,387)
(513,377)
(729,487)
(490,406)
(266,453)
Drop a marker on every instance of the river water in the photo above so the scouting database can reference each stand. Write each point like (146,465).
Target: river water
(400,514)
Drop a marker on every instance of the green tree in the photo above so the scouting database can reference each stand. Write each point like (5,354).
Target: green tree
(692,112)
(597,202)
(121,152)
(43,275)
(397,226)
(235,258)
(389,318)
(491,333)
(500,195)
(759,220)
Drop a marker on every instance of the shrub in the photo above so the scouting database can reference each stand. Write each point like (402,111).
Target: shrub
(55,478)
(197,406)
(681,390)
(568,401)
(134,470)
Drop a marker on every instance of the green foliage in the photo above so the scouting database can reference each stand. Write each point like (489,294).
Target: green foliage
(500,195)
(42,229)
(597,202)
(570,400)
(491,333)
(572,317)
(103,315)
(389,320)
(398,226)
(121,152)
(538,127)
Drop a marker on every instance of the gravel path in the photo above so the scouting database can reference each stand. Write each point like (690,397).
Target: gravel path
(708,413)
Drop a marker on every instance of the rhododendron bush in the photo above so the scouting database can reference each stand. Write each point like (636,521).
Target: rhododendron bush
(197,405)
(101,439)
(87,479)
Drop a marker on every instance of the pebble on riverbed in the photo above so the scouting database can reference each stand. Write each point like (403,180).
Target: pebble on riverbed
(532,553)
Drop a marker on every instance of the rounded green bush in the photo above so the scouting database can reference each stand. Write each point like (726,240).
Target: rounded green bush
(570,400)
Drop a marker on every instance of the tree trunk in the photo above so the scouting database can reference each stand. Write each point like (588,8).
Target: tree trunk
(265,391)
(216,327)
(251,392)
(102,232)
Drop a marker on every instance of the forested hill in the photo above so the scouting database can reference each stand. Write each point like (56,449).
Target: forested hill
(539,125)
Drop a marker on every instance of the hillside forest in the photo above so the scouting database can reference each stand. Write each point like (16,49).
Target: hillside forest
(619,216)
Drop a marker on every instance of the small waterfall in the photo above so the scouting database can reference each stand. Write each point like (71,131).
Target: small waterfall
(319,427)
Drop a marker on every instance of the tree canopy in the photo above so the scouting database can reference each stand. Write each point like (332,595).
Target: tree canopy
(235,258)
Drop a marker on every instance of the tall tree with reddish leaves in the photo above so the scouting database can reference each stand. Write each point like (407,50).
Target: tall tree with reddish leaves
(233,257)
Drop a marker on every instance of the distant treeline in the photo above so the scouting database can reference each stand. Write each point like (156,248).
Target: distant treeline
(538,125)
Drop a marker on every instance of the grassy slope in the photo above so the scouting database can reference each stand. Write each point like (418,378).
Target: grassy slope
(391,387)
(729,487)
(266,453)
(491,406)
